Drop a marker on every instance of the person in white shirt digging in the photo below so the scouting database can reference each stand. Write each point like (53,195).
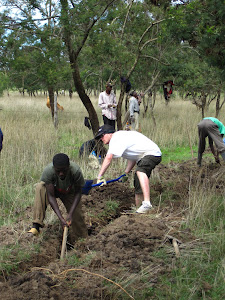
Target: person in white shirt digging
(138,150)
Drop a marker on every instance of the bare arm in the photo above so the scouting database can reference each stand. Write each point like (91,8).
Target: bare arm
(130,165)
(105,165)
(76,201)
(52,201)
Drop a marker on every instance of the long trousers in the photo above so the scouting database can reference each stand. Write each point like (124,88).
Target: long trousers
(208,128)
(135,122)
(79,229)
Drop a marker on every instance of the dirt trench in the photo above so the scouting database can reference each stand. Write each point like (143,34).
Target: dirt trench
(119,254)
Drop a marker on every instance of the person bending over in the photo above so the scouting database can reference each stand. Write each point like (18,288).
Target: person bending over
(214,130)
(60,179)
(138,150)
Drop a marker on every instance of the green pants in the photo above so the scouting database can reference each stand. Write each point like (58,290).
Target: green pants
(40,205)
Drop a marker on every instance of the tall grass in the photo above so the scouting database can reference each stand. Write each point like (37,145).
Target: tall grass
(30,141)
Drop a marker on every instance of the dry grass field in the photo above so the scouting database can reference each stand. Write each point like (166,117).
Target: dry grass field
(125,256)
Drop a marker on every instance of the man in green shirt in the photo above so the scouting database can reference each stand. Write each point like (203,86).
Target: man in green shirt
(214,130)
(60,179)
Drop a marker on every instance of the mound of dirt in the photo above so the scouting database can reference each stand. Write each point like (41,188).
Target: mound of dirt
(120,251)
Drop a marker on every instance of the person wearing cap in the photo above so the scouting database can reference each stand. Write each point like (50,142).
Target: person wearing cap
(60,179)
(214,130)
(107,102)
(138,150)
(134,110)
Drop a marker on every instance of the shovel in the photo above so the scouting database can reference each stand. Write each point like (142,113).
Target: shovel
(88,184)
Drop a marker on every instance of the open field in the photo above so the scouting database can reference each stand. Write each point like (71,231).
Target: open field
(125,256)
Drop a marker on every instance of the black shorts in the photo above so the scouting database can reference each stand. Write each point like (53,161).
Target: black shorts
(145,165)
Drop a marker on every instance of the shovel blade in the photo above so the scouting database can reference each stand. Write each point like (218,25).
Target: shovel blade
(87,187)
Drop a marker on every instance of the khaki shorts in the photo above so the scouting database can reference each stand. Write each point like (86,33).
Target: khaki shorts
(145,165)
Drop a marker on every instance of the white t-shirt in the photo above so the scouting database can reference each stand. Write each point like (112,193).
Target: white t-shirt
(132,145)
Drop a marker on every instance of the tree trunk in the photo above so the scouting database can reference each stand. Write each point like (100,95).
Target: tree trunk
(218,104)
(55,112)
(51,98)
(151,110)
(83,96)
(73,56)
(119,106)
(203,102)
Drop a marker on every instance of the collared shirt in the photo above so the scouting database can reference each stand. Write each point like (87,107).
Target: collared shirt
(104,101)
(134,106)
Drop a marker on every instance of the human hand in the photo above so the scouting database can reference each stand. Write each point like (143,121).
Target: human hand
(101,180)
(64,223)
(125,178)
(69,220)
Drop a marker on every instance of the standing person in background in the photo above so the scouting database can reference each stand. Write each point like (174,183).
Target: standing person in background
(1,139)
(107,102)
(138,150)
(60,179)
(214,130)
(134,110)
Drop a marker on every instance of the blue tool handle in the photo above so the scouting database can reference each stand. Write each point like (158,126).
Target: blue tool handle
(117,179)
(112,180)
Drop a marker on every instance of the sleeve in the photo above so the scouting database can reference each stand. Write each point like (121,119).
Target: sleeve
(101,102)
(48,176)
(114,99)
(117,146)
(78,178)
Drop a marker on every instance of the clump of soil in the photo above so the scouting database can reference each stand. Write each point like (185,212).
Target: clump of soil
(120,250)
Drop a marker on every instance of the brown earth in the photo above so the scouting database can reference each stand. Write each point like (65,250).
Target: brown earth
(118,259)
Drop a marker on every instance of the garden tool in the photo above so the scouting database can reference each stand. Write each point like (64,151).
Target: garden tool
(175,243)
(88,184)
(63,250)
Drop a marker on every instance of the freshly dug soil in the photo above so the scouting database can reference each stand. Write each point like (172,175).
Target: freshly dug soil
(118,259)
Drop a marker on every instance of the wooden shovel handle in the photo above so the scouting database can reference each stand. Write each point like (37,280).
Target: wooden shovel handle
(176,248)
(63,250)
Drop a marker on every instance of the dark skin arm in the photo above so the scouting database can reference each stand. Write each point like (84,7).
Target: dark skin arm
(52,201)
(214,152)
(76,201)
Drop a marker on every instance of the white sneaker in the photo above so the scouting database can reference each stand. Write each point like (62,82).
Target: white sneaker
(144,208)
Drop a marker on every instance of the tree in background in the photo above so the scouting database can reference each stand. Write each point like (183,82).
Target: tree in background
(33,51)
(89,42)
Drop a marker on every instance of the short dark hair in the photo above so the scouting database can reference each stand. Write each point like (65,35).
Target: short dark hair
(61,159)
